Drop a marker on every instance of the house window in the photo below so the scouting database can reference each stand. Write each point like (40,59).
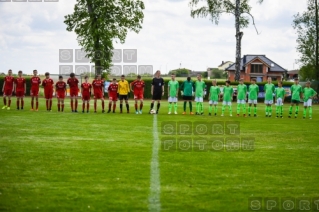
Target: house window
(256,68)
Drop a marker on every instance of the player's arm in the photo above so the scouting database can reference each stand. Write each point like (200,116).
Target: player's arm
(301,93)
(162,90)
(4,84)
(14,85)
(131,87)
(127,87)
(284,95)
(168,90)
(177,90)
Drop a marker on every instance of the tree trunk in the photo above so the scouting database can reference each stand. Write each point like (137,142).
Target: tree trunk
(238,41)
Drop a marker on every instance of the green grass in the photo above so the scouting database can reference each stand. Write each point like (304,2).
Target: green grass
(52,161)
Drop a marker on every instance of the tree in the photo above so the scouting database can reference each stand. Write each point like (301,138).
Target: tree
(180,72)
(307,72)
(307,26)
(98,23)
(238,8)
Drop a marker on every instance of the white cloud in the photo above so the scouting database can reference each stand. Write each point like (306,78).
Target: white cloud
(32,33)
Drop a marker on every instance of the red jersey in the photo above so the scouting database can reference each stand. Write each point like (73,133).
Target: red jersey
(60,87)
(9,80)
(20,82)
(48,84)
(86,87)
(97,86)
(73,83)
(35,83)
(138,86)
(113,89)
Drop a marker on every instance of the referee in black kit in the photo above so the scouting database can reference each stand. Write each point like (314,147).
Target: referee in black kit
(157,90)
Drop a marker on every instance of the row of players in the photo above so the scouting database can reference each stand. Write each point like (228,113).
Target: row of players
(188,88)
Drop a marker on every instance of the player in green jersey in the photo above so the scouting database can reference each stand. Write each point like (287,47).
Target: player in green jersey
(227,97)
(241,97)
(280,94)
(309,94)
(187,88)
(269,89)
(214,96)
(296,95)
(253,90)
(199,95)
(173,87)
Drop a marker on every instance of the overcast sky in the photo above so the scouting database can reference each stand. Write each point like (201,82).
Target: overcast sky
(32,33)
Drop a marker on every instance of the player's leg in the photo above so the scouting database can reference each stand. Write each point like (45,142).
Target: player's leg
(127,105)
(230,109)
(4,102)
(83,104)
(201,105)
(158,106)
(9,102)
(270,109)
(62,104)
(197,106)
(102,101)
(249,107)
(244,107)
(175,105)
(32,102)
(110,104)
(95,100)
(238,107)
(22,102)
(290,108)
(71,101)
(18,103)
(152,105)
(36,103)
(136,104)
(223,108)
(255,108)
(121,103)
(297,109)
(304,110)
(50,108)
(215,108)
(59,104)
(266,107)
(141,105)
(191,107)
(76,102)
(184,107)
(210,108)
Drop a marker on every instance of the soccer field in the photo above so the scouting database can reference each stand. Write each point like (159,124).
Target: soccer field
(52,161)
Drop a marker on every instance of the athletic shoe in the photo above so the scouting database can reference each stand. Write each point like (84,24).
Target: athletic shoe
(4,107)
(113,111)
(136,112)
(276,117)
(31,109)
(169,113)
(184,113)
(255,115)
(128,111)
(140,111)
(18,108)
(175,113)
(310,117)
(289,116)
(231,115)
(249,115)
(222,115)
(244,115)
(37,110)
(75,111)
(87,111)
(280,116)
(94,111)
(108,111)
(266,115)
(202,113)
(215,114)
(8,108)
(191,113)
(103,111)
(82,111)
(269,116)
(237,115)
(303,117)
(209,114)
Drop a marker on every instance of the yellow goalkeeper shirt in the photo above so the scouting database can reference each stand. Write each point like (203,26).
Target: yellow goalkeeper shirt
(123,87)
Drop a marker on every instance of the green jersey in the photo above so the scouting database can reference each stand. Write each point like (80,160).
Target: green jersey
(173,88)
(296,90)
(199,88)
(214,92)
(187,88)
(241,91)
(280,93)
(253,91)
(308,92)
(228,93)
(269,91)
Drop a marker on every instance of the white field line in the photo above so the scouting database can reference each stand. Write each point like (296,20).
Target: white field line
(154,203)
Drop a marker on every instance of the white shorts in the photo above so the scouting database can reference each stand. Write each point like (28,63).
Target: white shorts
(308,103)
(250,101)
(269,102)
(172,99)
(211,102)
(226,103)
(199,99)
(241,101)
(279,102)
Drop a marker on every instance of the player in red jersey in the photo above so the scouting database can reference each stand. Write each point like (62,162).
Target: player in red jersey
(34,92)
(112,89)
(98,89)
(7,89)
(86,94)
(20,88)
(137,87)
(74,89)
(60,92)
(48,83)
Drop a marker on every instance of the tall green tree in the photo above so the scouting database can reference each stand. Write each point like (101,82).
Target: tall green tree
(215,8)
(98,23)
(307,27)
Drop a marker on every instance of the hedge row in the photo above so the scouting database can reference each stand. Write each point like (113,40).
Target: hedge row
(147,93)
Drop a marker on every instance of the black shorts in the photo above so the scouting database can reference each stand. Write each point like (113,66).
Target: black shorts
(187,98)
(157,96)
(123,97)
(293,101)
